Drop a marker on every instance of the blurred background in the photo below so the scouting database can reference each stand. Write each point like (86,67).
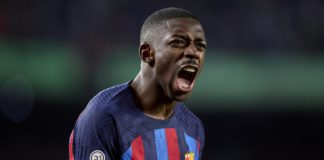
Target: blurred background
(260,95)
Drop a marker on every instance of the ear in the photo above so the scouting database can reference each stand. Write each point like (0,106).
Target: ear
(146,54)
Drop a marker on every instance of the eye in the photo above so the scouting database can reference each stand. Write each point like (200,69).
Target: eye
(201,46)
(179,43)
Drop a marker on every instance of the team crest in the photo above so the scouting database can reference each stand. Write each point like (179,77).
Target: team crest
(190,156)
(97,155)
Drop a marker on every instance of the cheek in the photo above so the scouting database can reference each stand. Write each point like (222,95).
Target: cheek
(164,60)
(165,67)
(202,59)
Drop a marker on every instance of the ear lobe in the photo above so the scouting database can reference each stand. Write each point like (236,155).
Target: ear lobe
(146,53)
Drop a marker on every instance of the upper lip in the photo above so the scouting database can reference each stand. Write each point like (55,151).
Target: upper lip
(192,63)
(194,66)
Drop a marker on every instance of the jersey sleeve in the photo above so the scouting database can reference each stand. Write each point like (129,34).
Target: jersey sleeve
(94,137)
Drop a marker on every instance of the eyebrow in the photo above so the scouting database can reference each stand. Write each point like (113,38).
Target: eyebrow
(184,36)
(179,35)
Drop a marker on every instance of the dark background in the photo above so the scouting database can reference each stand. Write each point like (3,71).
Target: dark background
(260,96)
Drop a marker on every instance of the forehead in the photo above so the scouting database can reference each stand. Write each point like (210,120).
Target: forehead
(184,26)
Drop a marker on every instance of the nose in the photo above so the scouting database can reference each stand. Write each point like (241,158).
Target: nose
(191,52)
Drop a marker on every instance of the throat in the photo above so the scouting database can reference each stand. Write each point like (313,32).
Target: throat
(149,100)
(162,112)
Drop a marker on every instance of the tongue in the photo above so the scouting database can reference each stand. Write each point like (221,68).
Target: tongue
(184,84)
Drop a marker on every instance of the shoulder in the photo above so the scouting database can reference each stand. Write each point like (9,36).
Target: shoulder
(103,101)
(192,124)
(96,127)
(101,107)
(187,116)
(107,95)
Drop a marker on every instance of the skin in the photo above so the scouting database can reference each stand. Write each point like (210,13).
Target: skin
(163,54)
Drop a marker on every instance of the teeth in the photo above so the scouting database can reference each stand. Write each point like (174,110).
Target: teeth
(189,69)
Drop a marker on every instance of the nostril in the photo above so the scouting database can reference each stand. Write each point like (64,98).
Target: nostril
(190,54)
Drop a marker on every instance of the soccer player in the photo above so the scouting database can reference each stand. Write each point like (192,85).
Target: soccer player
(145,118)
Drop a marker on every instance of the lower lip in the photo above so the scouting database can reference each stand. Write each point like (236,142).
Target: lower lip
(183,85)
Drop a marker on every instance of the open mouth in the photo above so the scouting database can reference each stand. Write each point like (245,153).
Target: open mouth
(186,77)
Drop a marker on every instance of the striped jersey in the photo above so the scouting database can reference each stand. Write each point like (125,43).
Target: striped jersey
(111,127)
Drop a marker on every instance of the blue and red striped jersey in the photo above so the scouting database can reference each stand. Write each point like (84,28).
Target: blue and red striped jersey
(111,127)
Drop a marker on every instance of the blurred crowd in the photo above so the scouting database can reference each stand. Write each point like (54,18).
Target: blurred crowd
(94,24)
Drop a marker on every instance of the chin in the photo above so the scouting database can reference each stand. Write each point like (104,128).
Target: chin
(181,97)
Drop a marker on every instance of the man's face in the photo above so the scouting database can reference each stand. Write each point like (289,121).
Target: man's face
(179,55)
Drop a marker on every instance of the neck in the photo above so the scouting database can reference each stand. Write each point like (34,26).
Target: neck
(150,99)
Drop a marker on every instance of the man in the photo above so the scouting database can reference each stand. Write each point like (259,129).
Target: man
(144,118)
